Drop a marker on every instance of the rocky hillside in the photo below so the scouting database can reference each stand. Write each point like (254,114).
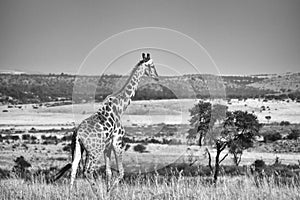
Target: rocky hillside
(24,88)
(280,83)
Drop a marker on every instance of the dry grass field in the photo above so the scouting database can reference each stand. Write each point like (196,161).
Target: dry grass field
(240,188)
(160,119)
(145,112)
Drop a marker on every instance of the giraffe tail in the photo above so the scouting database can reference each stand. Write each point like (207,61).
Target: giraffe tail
(77,151)
(62,171)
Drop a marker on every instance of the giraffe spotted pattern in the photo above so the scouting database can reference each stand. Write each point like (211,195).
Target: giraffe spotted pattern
(102,133)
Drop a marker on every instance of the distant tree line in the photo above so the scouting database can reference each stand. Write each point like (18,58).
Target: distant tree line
(44,88)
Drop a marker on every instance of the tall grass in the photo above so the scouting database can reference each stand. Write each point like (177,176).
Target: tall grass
(156,187)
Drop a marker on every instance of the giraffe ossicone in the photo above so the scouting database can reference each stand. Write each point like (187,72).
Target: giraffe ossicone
(102,133)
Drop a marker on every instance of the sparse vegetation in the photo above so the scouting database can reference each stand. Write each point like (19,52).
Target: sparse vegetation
(272,136)
(294,135)
(285,123)
(139,148)
(172,186)
(21,167)
(186,177)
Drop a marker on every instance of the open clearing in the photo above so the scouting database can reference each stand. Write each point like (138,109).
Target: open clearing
(145,112)
(141,116)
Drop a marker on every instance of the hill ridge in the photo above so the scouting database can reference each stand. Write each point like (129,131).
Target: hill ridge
(35,88)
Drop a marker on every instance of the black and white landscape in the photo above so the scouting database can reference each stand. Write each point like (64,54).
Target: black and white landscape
(222,121)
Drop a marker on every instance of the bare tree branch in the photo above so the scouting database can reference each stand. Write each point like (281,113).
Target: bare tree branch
(223,158)
(209,159)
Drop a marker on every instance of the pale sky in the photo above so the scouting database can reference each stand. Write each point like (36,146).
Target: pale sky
(242,37)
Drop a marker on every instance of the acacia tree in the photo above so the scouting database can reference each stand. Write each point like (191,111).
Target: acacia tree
(241,128)
(237,131)
(203,117)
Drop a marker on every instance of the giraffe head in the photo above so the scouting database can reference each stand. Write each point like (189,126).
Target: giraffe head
(149,67)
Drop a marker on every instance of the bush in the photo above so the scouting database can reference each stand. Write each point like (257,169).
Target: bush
(21,167)
(4,173)
(127,146)
(33,137)
(67,148)
(294,135)
(13,137)
(139,148)
(268,117)
(175,142)
(50,138)
(259,164)
(272,137)
(154,141)
(26,137)
(67,138)
(128,140)
(32,130)
(284,123)
(166,141)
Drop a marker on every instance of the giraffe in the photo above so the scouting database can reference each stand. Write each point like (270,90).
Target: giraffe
(102,133)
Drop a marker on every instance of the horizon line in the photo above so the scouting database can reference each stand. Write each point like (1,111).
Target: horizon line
(14,72)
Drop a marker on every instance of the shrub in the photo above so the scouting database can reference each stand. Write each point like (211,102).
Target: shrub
(26,137)
(175,142)
(154,141)
(67,138)
(33,137)
(128,140)
(14,137)
(67,148)
(294,135)
(259,164)
(25,146)
(127,146)
(50,137)
(284,123)
(32,130)
(268,117)
(139,148)
(272,137)
(21,167)
(166,141)
(4,173)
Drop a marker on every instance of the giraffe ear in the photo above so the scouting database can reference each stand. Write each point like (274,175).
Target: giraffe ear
(143,56)
(148,56)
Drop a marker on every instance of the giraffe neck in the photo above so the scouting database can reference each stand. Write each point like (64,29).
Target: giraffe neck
(128,90)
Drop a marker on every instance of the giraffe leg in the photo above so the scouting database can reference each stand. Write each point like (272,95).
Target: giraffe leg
(118,148)
(89,173)
(107,156)
(84,163)
(118,151)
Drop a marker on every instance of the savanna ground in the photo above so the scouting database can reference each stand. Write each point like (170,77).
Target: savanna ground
(166,123)
(176,188)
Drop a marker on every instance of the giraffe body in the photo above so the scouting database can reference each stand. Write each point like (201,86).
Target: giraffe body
(102,133)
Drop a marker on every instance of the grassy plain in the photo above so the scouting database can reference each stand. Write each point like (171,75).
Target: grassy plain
(239,188)
(143,119)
